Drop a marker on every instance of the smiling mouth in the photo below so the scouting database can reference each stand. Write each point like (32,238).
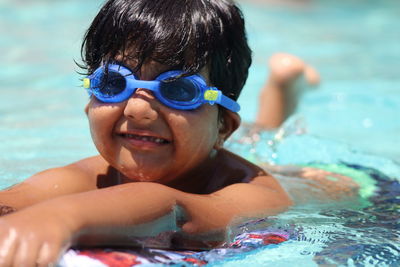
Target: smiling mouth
(145,138)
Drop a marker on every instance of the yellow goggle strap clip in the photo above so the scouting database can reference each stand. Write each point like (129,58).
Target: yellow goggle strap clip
(212,96)
(86,83)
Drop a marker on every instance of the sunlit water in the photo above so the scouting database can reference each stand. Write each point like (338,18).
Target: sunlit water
(352,117)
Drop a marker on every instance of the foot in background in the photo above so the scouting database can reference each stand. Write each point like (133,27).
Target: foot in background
(279,96)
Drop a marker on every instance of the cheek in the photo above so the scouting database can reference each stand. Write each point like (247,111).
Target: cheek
(102,119)
(195,134)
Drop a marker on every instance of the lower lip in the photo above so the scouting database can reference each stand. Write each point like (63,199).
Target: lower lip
(142,144)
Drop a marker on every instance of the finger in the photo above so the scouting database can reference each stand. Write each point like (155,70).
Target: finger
(7,248)
(26,253)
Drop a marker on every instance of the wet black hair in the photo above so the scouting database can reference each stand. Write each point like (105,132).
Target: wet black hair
(184,34)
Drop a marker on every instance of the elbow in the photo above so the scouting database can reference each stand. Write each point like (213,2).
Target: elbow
(286,204)
(286,200)
(281,203)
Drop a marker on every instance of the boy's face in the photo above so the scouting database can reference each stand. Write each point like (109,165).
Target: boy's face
(148,141)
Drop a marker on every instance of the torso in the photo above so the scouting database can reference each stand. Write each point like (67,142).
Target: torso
(229,169)
(95,173)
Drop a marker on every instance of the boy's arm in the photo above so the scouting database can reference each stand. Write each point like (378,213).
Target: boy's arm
(54,224)
(137,203)
(45,185)
(261,197)
(70,179)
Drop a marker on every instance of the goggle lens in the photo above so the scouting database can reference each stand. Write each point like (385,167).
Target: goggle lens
(111,84)
(181,90)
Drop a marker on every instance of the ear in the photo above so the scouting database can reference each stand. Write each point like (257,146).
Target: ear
(228,123)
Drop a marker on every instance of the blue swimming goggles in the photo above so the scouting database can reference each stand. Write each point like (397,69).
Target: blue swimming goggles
(115,83)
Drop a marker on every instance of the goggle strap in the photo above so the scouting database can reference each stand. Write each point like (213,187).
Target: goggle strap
(213,95)
(228,103)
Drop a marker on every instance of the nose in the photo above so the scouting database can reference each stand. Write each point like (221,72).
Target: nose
(141,107)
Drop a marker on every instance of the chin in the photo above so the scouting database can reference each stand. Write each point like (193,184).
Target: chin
(140,176)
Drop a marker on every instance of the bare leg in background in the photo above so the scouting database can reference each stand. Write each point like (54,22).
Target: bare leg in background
(279,96)
(278,100)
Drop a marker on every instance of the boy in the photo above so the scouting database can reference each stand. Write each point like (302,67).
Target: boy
(154,68)
(154,71)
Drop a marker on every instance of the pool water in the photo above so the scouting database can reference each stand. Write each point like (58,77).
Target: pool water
(352,117)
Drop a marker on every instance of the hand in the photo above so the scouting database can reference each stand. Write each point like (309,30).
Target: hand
(35,236)
(333,184)
(207,223)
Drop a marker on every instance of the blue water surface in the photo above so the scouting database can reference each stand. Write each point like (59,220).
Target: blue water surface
(352,117)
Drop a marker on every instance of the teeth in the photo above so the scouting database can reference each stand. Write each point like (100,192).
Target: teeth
(147,138)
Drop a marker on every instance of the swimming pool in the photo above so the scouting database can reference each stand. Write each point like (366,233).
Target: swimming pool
(352,117)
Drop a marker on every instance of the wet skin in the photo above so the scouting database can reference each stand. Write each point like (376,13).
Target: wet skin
(152,158)
(148,141)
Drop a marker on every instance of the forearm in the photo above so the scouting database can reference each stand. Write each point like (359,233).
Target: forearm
(138,203)
(128,204)
(111,216)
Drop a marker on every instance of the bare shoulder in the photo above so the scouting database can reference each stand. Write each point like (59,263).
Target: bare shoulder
(237,166)
(73,178)
(255,184)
